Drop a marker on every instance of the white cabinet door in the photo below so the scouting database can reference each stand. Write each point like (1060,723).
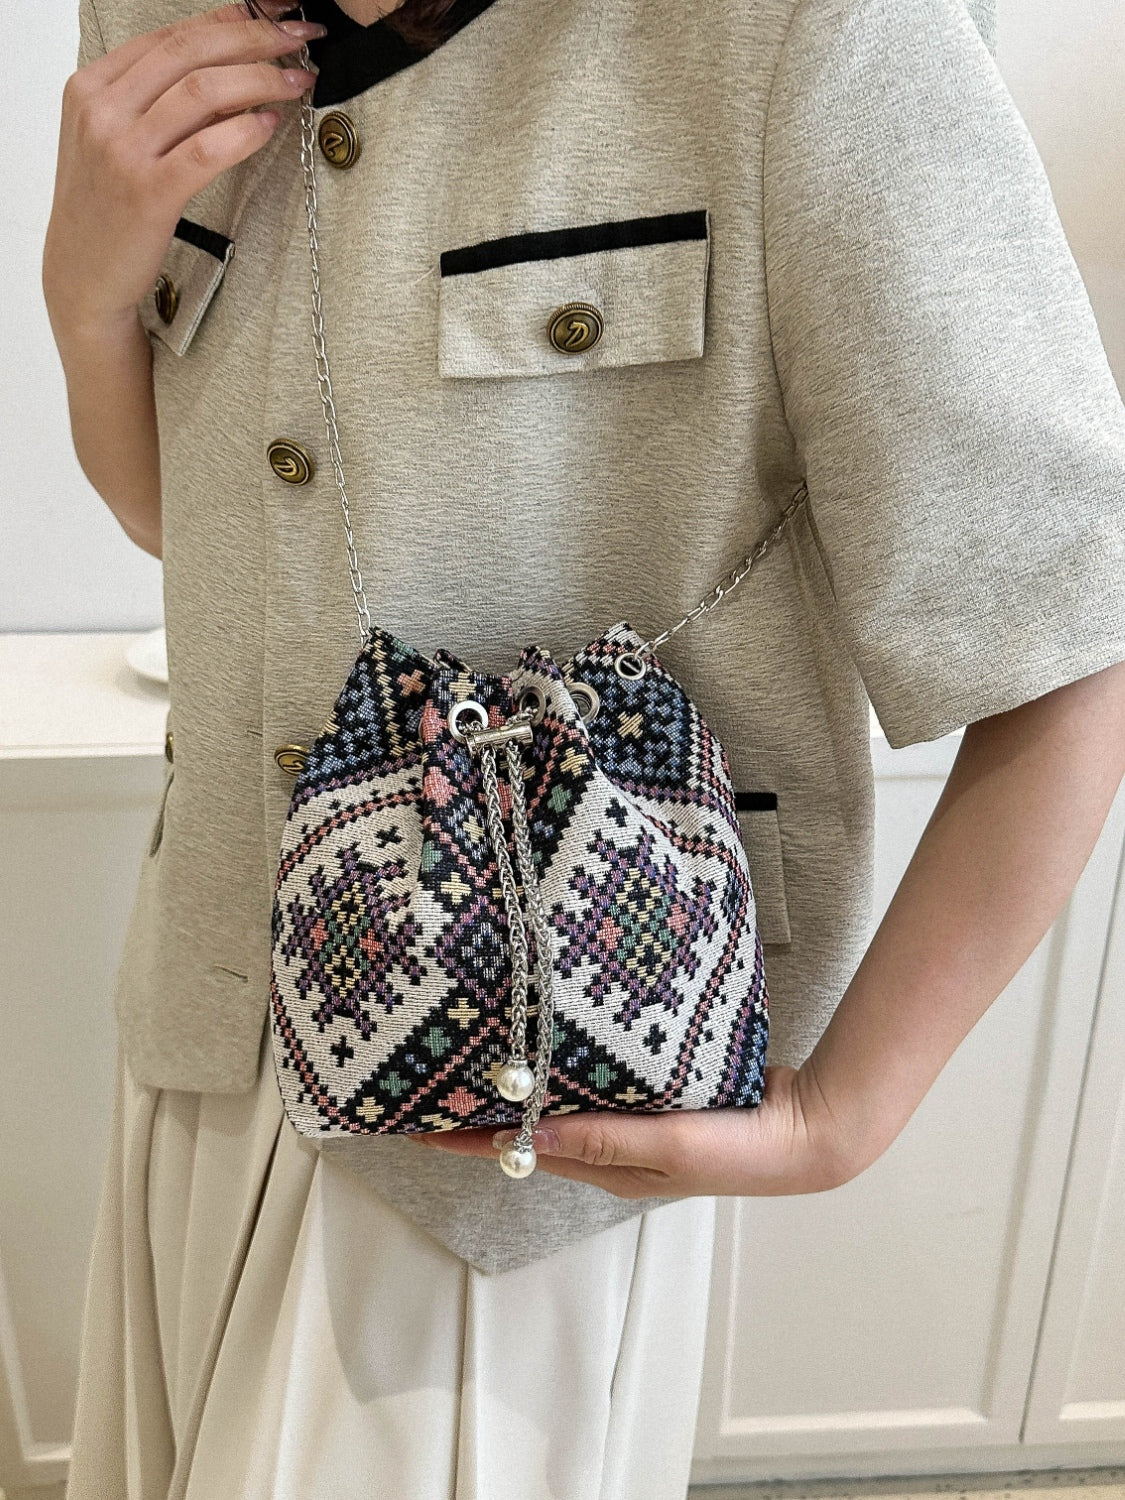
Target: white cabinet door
(73,834)
(1078,1391)
(889,1326)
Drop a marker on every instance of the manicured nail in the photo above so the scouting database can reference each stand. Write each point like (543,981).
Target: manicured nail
(304,29)
(298,78)
(545,1140)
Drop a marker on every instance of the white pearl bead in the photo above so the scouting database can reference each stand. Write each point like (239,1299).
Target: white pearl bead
(515,1081)
(518,1161)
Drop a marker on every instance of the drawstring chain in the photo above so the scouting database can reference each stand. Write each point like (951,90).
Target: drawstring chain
(515,1079)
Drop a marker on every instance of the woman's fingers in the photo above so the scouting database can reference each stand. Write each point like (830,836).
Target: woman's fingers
(143,130)
(675,1153)
(200,159)
(108,68)
(211,93)
(213,42)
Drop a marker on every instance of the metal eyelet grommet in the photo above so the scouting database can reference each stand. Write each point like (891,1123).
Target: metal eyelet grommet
(539,700)
(630,665)
(461,710)
(582,690)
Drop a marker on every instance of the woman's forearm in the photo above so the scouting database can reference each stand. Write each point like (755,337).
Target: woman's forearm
(1012,831)
(145,128)
(113,421)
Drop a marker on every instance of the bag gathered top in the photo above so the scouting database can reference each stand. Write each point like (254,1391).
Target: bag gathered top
(465,853)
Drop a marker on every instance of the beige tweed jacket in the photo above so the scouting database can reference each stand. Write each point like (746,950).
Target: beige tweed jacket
(824,250)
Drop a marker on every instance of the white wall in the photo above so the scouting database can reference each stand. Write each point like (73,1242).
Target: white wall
(65,564)
(1064,61)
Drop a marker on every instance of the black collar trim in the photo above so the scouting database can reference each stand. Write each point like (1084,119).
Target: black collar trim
(352,58)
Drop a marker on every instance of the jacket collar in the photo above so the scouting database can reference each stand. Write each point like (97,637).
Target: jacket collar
(352,58)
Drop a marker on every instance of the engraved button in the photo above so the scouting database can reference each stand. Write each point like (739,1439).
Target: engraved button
(168,747)
(574,327)
(291,758)
(166,297)
(291,462)
(338,139)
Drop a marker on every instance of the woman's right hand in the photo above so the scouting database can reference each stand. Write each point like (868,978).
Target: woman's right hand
(144,128)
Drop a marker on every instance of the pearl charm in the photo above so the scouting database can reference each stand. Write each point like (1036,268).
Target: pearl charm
(515,1081)
(518,1161)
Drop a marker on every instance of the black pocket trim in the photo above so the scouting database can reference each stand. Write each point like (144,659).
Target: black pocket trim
(755,801)
(211,240)
(576,239)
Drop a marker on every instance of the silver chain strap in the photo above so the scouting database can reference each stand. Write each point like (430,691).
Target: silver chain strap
(519,1157)
(517,932)
(728,584)
(324,383)
(323,373)
(544,948)
(522,1148)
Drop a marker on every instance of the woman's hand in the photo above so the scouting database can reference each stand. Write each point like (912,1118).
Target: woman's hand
(144,128)
(789,1143)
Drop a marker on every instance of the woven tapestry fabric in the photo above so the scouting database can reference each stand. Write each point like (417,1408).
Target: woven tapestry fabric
(392,979)
(883,304)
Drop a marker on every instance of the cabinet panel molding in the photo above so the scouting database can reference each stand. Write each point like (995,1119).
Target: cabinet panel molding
(891,1324)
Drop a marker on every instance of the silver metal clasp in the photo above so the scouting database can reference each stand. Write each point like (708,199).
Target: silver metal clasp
(476,738)
(477,735)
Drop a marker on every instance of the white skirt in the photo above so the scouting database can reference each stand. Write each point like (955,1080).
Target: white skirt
(260,1325)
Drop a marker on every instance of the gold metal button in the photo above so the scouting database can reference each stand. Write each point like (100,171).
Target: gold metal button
(575,326)
(291,462)
(168,746)
(166,298)
(338,139)
(291,758)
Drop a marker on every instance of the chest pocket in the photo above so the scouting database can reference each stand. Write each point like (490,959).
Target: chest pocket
(190,274)
(579,297)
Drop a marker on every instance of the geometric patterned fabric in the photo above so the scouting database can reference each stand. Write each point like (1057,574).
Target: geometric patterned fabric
(391,974)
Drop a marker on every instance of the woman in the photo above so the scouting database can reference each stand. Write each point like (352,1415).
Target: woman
(818,251)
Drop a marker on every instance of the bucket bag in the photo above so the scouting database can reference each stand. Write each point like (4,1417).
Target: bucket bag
(511,895)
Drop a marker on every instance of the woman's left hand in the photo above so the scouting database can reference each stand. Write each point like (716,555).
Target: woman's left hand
(788,1143)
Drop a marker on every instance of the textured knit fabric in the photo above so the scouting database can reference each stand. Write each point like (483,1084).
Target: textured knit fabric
(888,308)
(262,1326)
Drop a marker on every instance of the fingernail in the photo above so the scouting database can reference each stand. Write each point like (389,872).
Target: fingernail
(307,29)
(546,1140)
(298,78)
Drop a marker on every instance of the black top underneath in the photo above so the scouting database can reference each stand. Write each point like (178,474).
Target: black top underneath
(352,58)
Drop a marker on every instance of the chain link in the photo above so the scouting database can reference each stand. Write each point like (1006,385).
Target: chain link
(544,945)
(324,384)
(517,933)
(728,584)
(323,374)
(517,930)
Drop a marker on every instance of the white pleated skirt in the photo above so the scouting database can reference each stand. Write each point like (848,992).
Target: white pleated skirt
(260,1325)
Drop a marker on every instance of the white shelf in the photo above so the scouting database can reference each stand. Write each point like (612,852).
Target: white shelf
(76,695)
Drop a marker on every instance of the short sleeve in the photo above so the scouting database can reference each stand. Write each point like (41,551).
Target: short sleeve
(91,44)
(958,424)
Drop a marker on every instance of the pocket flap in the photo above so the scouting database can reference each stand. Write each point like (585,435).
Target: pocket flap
(761,838)
(645,278)
(190,275)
